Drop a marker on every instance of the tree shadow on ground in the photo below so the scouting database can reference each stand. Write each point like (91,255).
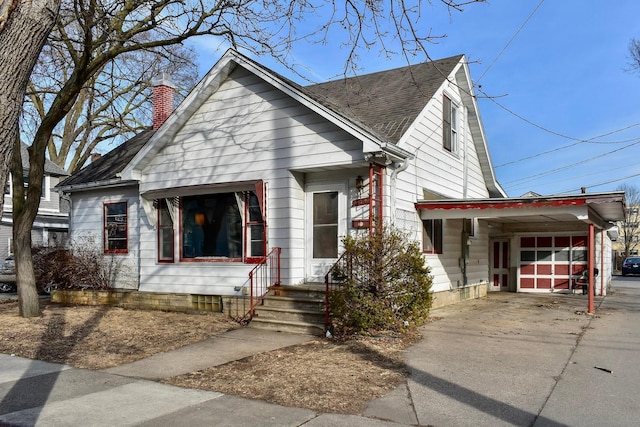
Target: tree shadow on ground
(34,388)
(488,405)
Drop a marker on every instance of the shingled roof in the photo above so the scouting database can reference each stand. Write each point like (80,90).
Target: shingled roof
(108,166)
(50,168)
(387,101)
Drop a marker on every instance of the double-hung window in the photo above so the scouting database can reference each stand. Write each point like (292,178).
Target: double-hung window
(165,231)
(432,236)
(449,125)
(115,228)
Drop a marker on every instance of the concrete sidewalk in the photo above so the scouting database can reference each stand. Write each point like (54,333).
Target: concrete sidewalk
(504,360)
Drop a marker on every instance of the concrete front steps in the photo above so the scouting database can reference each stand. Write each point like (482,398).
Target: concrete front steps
(297,309)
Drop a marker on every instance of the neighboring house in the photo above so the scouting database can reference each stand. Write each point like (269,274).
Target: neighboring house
(251,161)
(629,233)
(51,224)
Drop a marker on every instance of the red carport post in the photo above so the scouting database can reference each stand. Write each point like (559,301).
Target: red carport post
(592,251)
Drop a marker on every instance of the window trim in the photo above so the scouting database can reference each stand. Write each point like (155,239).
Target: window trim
(105,237)
(436,226)
(450,124)
(160,227)
(46,187)
(245,230)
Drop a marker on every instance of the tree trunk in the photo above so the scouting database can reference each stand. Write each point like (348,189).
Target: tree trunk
(24,30)
(22,37)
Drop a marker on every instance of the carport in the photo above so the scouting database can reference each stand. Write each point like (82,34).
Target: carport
(542,243)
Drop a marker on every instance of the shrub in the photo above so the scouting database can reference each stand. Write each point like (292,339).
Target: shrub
(65,269)
(383,284)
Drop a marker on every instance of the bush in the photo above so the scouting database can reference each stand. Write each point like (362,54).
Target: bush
(383,284)
(64,269)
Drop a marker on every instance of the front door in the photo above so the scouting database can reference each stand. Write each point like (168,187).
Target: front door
(499,266)
(326,226)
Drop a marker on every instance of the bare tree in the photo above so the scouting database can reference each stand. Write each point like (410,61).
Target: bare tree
(634,51)
(24,27)
(629,229)
(112,106)
(97,32)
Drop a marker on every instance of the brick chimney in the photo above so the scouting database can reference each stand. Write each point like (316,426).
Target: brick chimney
(163,90)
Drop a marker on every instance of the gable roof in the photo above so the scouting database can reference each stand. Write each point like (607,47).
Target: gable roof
(107,167)
(387,101)
(375,108)
(50,168)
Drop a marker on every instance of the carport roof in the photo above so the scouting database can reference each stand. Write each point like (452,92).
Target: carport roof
(599,208)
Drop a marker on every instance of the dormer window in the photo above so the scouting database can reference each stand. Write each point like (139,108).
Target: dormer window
(449,125)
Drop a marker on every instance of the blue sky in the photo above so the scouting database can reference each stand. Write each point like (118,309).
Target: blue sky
(558,75)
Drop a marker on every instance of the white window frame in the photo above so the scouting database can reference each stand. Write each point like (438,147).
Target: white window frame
(453,124)
(46,187)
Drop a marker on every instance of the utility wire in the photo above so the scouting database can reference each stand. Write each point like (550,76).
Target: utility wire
(526,21)
(563,168)
(584,141)
(601,183)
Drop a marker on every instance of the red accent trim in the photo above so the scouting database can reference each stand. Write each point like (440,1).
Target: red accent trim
(104,229)
(592,253)
(360,223)
(158,239)
(496,204)
(204,259)
(360,202)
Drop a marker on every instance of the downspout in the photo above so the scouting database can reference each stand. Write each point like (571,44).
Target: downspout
(465,194)
(465,158)
(394,174)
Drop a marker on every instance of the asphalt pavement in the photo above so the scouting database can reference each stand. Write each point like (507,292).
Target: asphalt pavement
(508,359)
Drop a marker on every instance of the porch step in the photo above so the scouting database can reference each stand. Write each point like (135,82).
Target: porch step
(298,309)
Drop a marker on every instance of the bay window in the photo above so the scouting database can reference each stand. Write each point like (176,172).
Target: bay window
(222,226)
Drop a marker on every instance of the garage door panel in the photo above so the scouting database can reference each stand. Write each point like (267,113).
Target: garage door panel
(549,262)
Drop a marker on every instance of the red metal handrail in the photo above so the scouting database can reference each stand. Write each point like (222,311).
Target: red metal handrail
(262,277)
(340,271)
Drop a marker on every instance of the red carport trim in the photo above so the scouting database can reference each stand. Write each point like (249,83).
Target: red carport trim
(497,204)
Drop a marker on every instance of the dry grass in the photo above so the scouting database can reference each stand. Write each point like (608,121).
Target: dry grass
(322,375)
(101,337)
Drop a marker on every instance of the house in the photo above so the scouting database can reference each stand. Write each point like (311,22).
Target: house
(251,164)
(51,224)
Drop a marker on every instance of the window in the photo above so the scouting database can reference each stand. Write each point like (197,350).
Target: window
(10,246)
(115,228)
(325,225)
(165,231)
(449,125)
(45,195)
(432,236)
(7,187)
(224,225)
(255,226)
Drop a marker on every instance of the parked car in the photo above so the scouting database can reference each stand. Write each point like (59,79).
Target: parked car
(8,266)
(631,265)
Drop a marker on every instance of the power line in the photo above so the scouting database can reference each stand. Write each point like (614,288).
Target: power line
(562,168)
(584,141)
(601,183)
(526,21)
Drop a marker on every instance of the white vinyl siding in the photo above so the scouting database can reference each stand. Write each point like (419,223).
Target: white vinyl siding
(86,229)
(247,131)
